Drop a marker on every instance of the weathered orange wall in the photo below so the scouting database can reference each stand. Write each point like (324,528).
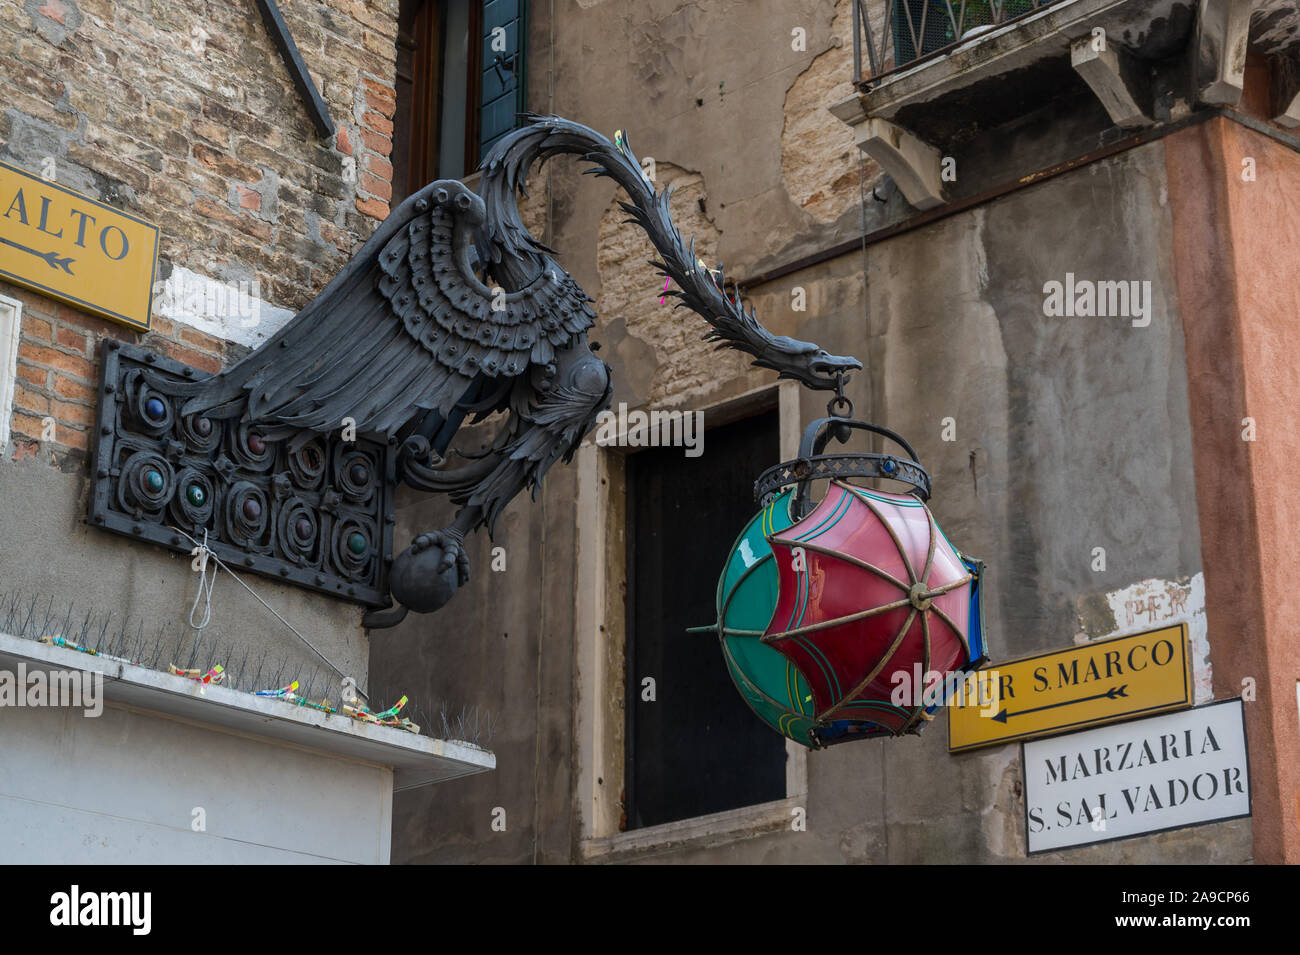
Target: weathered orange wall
(1237,248)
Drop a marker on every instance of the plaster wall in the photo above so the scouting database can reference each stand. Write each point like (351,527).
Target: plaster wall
(125,788)
(1241,345)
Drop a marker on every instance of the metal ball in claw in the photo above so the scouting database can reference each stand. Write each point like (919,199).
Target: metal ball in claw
(429,572)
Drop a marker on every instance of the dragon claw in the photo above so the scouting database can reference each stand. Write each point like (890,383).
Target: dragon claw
(453,552)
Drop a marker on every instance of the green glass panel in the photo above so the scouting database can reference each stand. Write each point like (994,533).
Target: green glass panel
(772,686)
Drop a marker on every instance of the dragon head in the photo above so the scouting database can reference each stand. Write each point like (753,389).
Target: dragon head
(805,362)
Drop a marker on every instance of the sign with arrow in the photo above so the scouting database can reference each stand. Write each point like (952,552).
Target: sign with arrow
(1065,690)
(75,249)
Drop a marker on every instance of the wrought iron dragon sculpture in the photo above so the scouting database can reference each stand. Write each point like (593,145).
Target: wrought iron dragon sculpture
(450,310)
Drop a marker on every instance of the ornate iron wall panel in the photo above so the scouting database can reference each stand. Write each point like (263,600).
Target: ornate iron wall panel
(317,515)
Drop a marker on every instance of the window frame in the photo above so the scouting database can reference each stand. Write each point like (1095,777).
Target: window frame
(600,659)
(11,323)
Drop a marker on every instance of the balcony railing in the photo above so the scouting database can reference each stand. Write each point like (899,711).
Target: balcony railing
(895,34)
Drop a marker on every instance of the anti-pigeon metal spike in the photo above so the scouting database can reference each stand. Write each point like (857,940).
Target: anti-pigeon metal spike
(67,621)
(30,622)
(114,644)
(132,644)
(49,614)
(100,642)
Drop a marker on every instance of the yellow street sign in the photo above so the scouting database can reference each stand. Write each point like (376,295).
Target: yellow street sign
(1103,682)
(72,248)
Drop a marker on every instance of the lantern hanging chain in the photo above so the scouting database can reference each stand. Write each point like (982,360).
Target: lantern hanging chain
(840,401)
(219,563)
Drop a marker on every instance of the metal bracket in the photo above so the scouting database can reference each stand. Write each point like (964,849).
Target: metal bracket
(813,465)
(302,81)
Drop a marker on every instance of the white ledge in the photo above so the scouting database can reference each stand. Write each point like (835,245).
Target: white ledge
(415,760)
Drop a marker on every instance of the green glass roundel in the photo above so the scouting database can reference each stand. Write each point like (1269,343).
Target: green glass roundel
(357,543)
(196,495)
(772,686)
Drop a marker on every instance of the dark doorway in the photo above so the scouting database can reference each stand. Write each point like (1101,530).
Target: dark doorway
(696,749)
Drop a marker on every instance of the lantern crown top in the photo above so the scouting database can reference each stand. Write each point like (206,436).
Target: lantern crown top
(813,464)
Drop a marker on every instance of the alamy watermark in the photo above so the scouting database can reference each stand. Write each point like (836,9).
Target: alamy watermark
(1086,298)
(129,909)
(953,688)
(187,293)
(64,688)
(653,429)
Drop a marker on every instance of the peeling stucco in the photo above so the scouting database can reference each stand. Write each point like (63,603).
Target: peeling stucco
(1149,604)
(819,160)
(659,356)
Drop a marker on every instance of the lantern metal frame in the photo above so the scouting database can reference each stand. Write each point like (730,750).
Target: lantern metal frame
(813,464)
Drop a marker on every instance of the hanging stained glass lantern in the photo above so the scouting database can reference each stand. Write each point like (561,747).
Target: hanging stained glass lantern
(821,606)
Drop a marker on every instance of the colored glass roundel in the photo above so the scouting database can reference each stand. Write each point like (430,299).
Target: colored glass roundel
(815,617)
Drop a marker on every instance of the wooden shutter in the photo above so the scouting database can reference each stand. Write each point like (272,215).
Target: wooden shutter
(502,76)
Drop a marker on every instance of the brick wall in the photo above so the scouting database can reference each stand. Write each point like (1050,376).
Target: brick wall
(56,368)
(182,112)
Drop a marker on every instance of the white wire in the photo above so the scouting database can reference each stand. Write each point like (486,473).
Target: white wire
(217,560)
(205,588)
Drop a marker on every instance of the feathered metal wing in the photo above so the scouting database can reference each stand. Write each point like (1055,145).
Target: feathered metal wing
(404,329)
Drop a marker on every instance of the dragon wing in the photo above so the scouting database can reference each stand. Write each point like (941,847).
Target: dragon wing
(403,329)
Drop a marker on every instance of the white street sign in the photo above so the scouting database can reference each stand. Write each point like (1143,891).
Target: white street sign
(1123,780)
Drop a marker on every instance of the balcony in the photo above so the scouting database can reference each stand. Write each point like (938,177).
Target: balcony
(890,35)
(933,78)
